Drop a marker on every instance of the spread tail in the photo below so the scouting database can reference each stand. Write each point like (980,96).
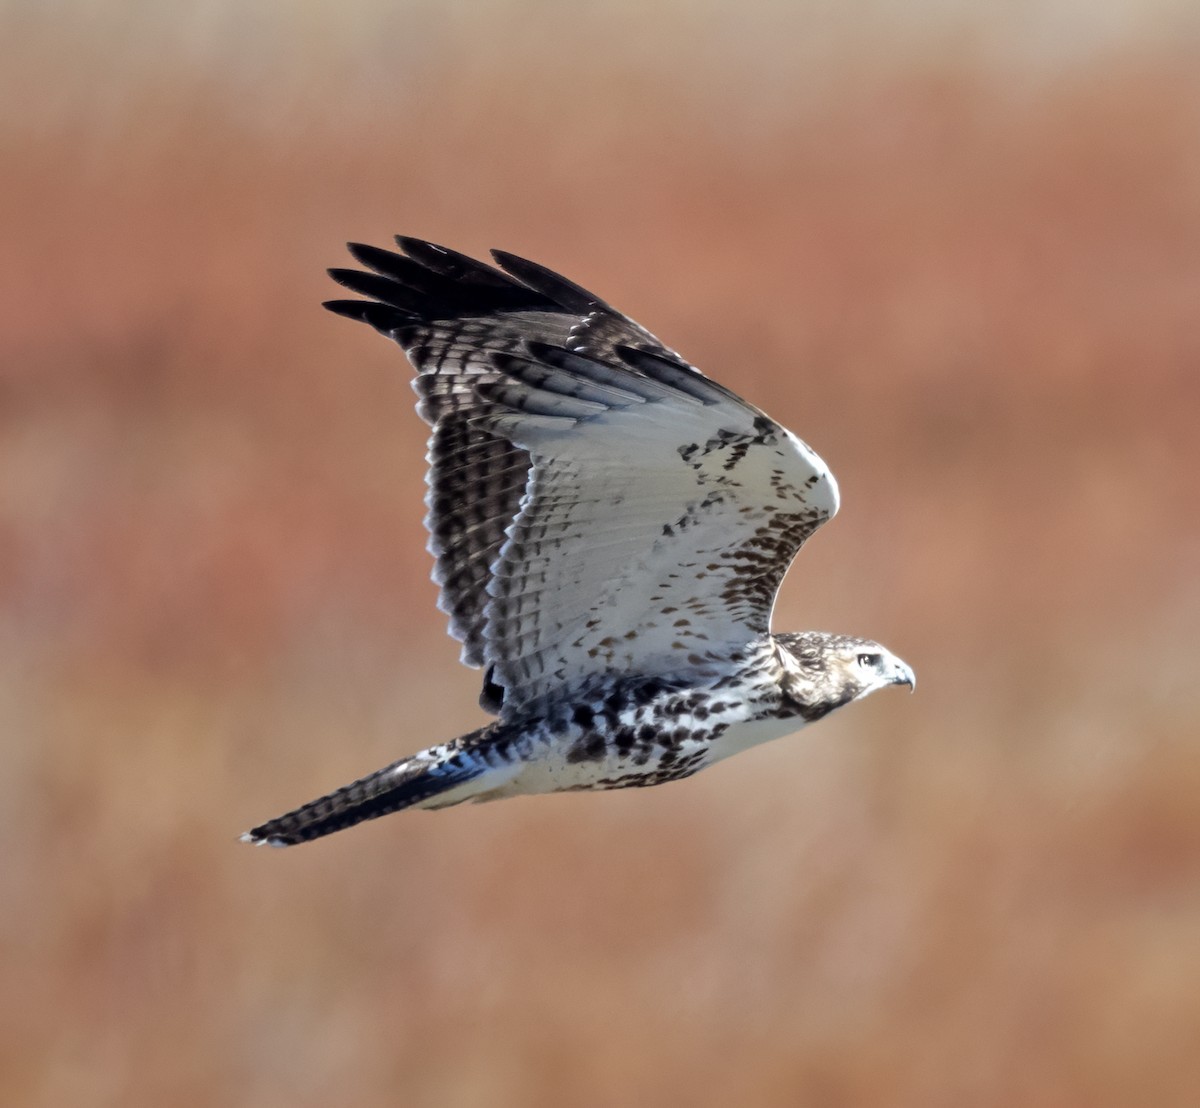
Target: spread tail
(435,778)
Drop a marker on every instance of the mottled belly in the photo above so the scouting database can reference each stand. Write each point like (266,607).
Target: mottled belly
(644,757)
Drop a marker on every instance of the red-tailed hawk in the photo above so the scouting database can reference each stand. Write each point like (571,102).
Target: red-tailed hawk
(610,528)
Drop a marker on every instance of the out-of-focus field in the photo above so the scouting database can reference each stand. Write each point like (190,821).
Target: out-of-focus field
(962,259)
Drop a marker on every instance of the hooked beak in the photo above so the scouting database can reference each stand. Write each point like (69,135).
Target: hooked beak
(903,675)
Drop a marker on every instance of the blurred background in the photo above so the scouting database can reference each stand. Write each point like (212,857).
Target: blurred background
(956,247)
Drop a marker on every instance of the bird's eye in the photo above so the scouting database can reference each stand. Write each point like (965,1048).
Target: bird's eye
(869,661)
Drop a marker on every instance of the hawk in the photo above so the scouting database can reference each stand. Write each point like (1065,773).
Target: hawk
(610,528)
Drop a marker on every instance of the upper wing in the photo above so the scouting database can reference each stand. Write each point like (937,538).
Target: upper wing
(595,504)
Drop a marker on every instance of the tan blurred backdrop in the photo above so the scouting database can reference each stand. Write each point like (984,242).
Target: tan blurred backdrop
(954,246)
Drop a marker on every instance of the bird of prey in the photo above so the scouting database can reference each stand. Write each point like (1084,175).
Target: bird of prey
(610,528)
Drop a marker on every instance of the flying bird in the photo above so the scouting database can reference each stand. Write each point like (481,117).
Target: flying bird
(610,528)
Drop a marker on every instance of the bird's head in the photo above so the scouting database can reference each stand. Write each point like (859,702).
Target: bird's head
(824,671)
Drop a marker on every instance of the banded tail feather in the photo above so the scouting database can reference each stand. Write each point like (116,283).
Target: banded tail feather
(436,778)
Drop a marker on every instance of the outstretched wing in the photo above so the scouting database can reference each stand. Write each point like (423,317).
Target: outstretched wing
(596,505)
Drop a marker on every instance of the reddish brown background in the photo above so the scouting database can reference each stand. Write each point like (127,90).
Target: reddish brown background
(959,252)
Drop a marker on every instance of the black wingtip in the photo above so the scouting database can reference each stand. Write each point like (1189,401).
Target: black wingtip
(383,317)
(558,288)
(351,309)
(373,257)
(351,278)
(431,282)
(458,267)
(384,289)
(415,247)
